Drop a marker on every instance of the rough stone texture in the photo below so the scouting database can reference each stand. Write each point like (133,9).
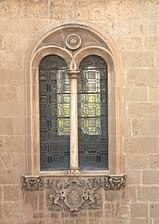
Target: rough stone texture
(133,25)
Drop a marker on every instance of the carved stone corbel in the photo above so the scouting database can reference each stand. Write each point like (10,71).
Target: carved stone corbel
(31,183)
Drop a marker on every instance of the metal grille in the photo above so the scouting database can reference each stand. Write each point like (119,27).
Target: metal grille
(93,114)
(54,90)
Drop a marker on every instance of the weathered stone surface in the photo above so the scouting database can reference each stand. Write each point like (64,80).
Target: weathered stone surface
(11,108)
(11,193)
(148,193)
(150,177)
(134,176)
(14,143)
(154,161)
(143,77)
(35,9)
(139,210)
(55,9)
(1,190)
(154,208)
(6,127)
(138,59)
(136,161)
(139,221)
(12,211)
(145,127)
(153,95)
(135,94)
(143,145)
(9,176)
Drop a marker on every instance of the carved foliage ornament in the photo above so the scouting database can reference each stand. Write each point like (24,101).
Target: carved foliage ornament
(73,194)
(31,183)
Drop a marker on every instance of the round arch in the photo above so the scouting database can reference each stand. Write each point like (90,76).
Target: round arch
(52,41)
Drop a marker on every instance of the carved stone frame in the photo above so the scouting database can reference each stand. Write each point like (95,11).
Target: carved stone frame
(98,44)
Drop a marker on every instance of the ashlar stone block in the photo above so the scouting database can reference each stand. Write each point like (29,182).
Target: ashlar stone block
(150,177)
(10,9)
(135,94)
(132,59)
(13,144)
(154,93)
(67,9)
(137,161)
(35,9)
(143,145)
(5,76)
(148,194)
(129,43)
(139,210)
(154,208)
(11,193)
(143,77)
(154,161)
(142,110)
(145,127)
(9,176)
(6,127)
(6,59)
(139,221)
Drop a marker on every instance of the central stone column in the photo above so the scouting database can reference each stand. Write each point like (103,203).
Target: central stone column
(74,168)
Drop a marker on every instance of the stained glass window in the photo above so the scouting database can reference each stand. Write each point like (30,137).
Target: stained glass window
(54,89)
(93,114)
(54,97)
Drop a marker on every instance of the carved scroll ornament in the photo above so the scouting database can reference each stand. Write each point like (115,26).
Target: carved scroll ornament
(73,194)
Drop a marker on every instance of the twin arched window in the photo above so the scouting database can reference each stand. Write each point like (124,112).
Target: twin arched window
(55,112)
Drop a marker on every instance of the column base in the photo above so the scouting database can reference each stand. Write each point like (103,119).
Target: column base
(74,170)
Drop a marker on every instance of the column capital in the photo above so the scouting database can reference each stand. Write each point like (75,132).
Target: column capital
(73,74)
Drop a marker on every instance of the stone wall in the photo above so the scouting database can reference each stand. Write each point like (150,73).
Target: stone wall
(133,25)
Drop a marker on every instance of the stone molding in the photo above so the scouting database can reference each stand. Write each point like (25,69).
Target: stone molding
(73,193)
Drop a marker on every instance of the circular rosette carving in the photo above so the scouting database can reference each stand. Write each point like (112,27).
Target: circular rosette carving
(73,41)
(74,197)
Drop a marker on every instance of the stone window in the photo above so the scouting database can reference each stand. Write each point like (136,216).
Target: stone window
(73,122)
(73,118)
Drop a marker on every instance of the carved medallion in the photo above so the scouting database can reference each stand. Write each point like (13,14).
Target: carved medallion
(74,197)
(73,41)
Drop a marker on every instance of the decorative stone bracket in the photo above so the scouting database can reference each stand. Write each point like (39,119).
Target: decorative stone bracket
(72,193)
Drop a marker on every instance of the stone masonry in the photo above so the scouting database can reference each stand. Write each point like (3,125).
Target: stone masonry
(134,27)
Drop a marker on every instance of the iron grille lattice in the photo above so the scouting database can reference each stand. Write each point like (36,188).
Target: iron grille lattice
(93,114)
(54,90)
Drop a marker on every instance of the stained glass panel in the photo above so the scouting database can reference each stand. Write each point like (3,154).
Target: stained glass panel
(54,90)
(93,114)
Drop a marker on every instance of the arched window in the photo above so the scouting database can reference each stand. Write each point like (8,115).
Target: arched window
(93,113)
(73,103)
(54,96)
